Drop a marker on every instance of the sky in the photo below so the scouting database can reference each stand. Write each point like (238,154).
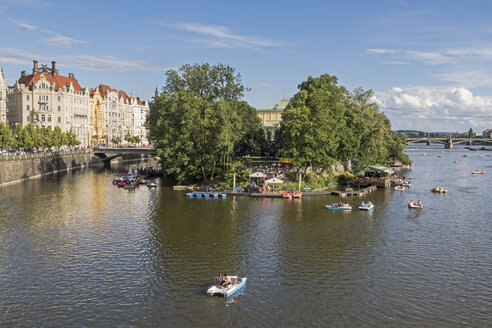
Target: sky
(428,62)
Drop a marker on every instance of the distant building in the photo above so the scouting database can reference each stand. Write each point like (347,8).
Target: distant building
(123,115)
(271,116)
(98,136)
(487,133)
(45,98)
(3,98)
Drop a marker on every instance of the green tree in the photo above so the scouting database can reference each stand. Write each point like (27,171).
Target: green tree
(253,141)
(48,137)
(116,140)
(58,137)
(26,137)
(195,123)
(324,123)
(128,137)
(72,138)
(7,138)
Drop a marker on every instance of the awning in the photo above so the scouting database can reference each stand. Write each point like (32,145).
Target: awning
(274,181)
(257,175)
(374,168)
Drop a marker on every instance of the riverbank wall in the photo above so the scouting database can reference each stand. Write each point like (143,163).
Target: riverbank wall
(18,168)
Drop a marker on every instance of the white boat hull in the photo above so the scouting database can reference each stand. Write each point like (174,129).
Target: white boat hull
(227,291)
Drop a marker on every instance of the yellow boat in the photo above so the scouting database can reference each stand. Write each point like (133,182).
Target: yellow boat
(439,190)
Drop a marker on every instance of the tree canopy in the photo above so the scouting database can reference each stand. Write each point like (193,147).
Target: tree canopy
(199,124)
(30,137)
(325,123)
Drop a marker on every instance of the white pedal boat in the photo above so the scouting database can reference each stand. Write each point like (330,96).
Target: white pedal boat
(367,207)
(415,205)
(336,207)
(230,290)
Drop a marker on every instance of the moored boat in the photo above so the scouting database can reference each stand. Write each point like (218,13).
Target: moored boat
(152,185)
(237,284)
(400,188)
(366,206)
(412,204)
(339,207)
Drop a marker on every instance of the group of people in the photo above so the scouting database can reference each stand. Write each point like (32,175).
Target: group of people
(341,204)
(224,280)
(368,204)
(416,203)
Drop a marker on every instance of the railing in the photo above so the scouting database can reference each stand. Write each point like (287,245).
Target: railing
(12,157)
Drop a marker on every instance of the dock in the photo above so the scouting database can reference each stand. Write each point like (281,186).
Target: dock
(342,193)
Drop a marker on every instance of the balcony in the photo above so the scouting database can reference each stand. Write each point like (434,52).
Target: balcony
(42,102)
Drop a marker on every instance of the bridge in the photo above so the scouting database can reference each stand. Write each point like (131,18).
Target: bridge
(448,142)
(107,154)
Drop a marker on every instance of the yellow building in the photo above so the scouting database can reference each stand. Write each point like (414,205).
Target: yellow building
(98,135)
(271,116)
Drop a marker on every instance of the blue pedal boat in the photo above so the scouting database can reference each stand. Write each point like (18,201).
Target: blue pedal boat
(337,207)
(237,284)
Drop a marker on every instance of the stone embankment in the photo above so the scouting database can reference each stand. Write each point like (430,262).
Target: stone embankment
(20,168)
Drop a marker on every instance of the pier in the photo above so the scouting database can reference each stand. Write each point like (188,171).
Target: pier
(340,193)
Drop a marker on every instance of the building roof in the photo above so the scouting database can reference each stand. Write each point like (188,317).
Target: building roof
(60,81)
(278,106)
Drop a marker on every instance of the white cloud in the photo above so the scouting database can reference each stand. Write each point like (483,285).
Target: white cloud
(25,27)
(262,85)
(85,62)
(61,40)
(442,108)
(222,36)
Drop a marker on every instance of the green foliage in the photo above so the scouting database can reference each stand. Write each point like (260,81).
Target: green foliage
(116,140)
(325,123)
(29,137)
(197,123)
(7,138)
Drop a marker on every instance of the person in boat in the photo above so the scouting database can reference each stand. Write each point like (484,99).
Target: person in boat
(364,204)
(220,279)
(227,280)
(419,203)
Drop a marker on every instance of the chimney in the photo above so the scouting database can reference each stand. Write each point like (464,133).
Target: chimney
(35,70)
(23,73)
(53,68)
(70,75)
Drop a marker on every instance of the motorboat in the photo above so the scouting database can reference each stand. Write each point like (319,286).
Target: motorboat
(478,172)
(366,206)
(456,161)
(152,185)
(339,207)
(400,188)
(412,204)
(237,284)
(439,190)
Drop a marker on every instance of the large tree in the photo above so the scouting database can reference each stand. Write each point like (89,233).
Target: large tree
(324,123)
(7,138)
(198,120)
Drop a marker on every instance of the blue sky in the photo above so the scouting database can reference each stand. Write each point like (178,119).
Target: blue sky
(428,62)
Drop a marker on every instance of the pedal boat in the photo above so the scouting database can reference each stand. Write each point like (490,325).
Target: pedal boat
(400,188)
(478,172)
(235,287)
(415,205)
(336,207)
(439,190)
(367,207)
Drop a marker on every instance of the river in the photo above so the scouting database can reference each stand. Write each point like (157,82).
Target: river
(77,251)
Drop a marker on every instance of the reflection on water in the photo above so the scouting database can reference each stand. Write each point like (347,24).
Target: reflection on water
(76,250)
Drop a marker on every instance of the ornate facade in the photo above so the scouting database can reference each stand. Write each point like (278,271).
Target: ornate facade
(45,98)
(98,135)
(3,98)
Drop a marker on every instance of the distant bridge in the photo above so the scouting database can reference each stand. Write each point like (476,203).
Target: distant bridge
(449,142)
(107,154)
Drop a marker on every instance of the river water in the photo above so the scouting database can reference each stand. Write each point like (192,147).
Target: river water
(77,251)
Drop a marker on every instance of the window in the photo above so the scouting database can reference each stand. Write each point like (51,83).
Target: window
(27,97)
(59,119)
(37,117)
(49,118)
(28,108)
(42,118)
(59,98)
(59,108)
